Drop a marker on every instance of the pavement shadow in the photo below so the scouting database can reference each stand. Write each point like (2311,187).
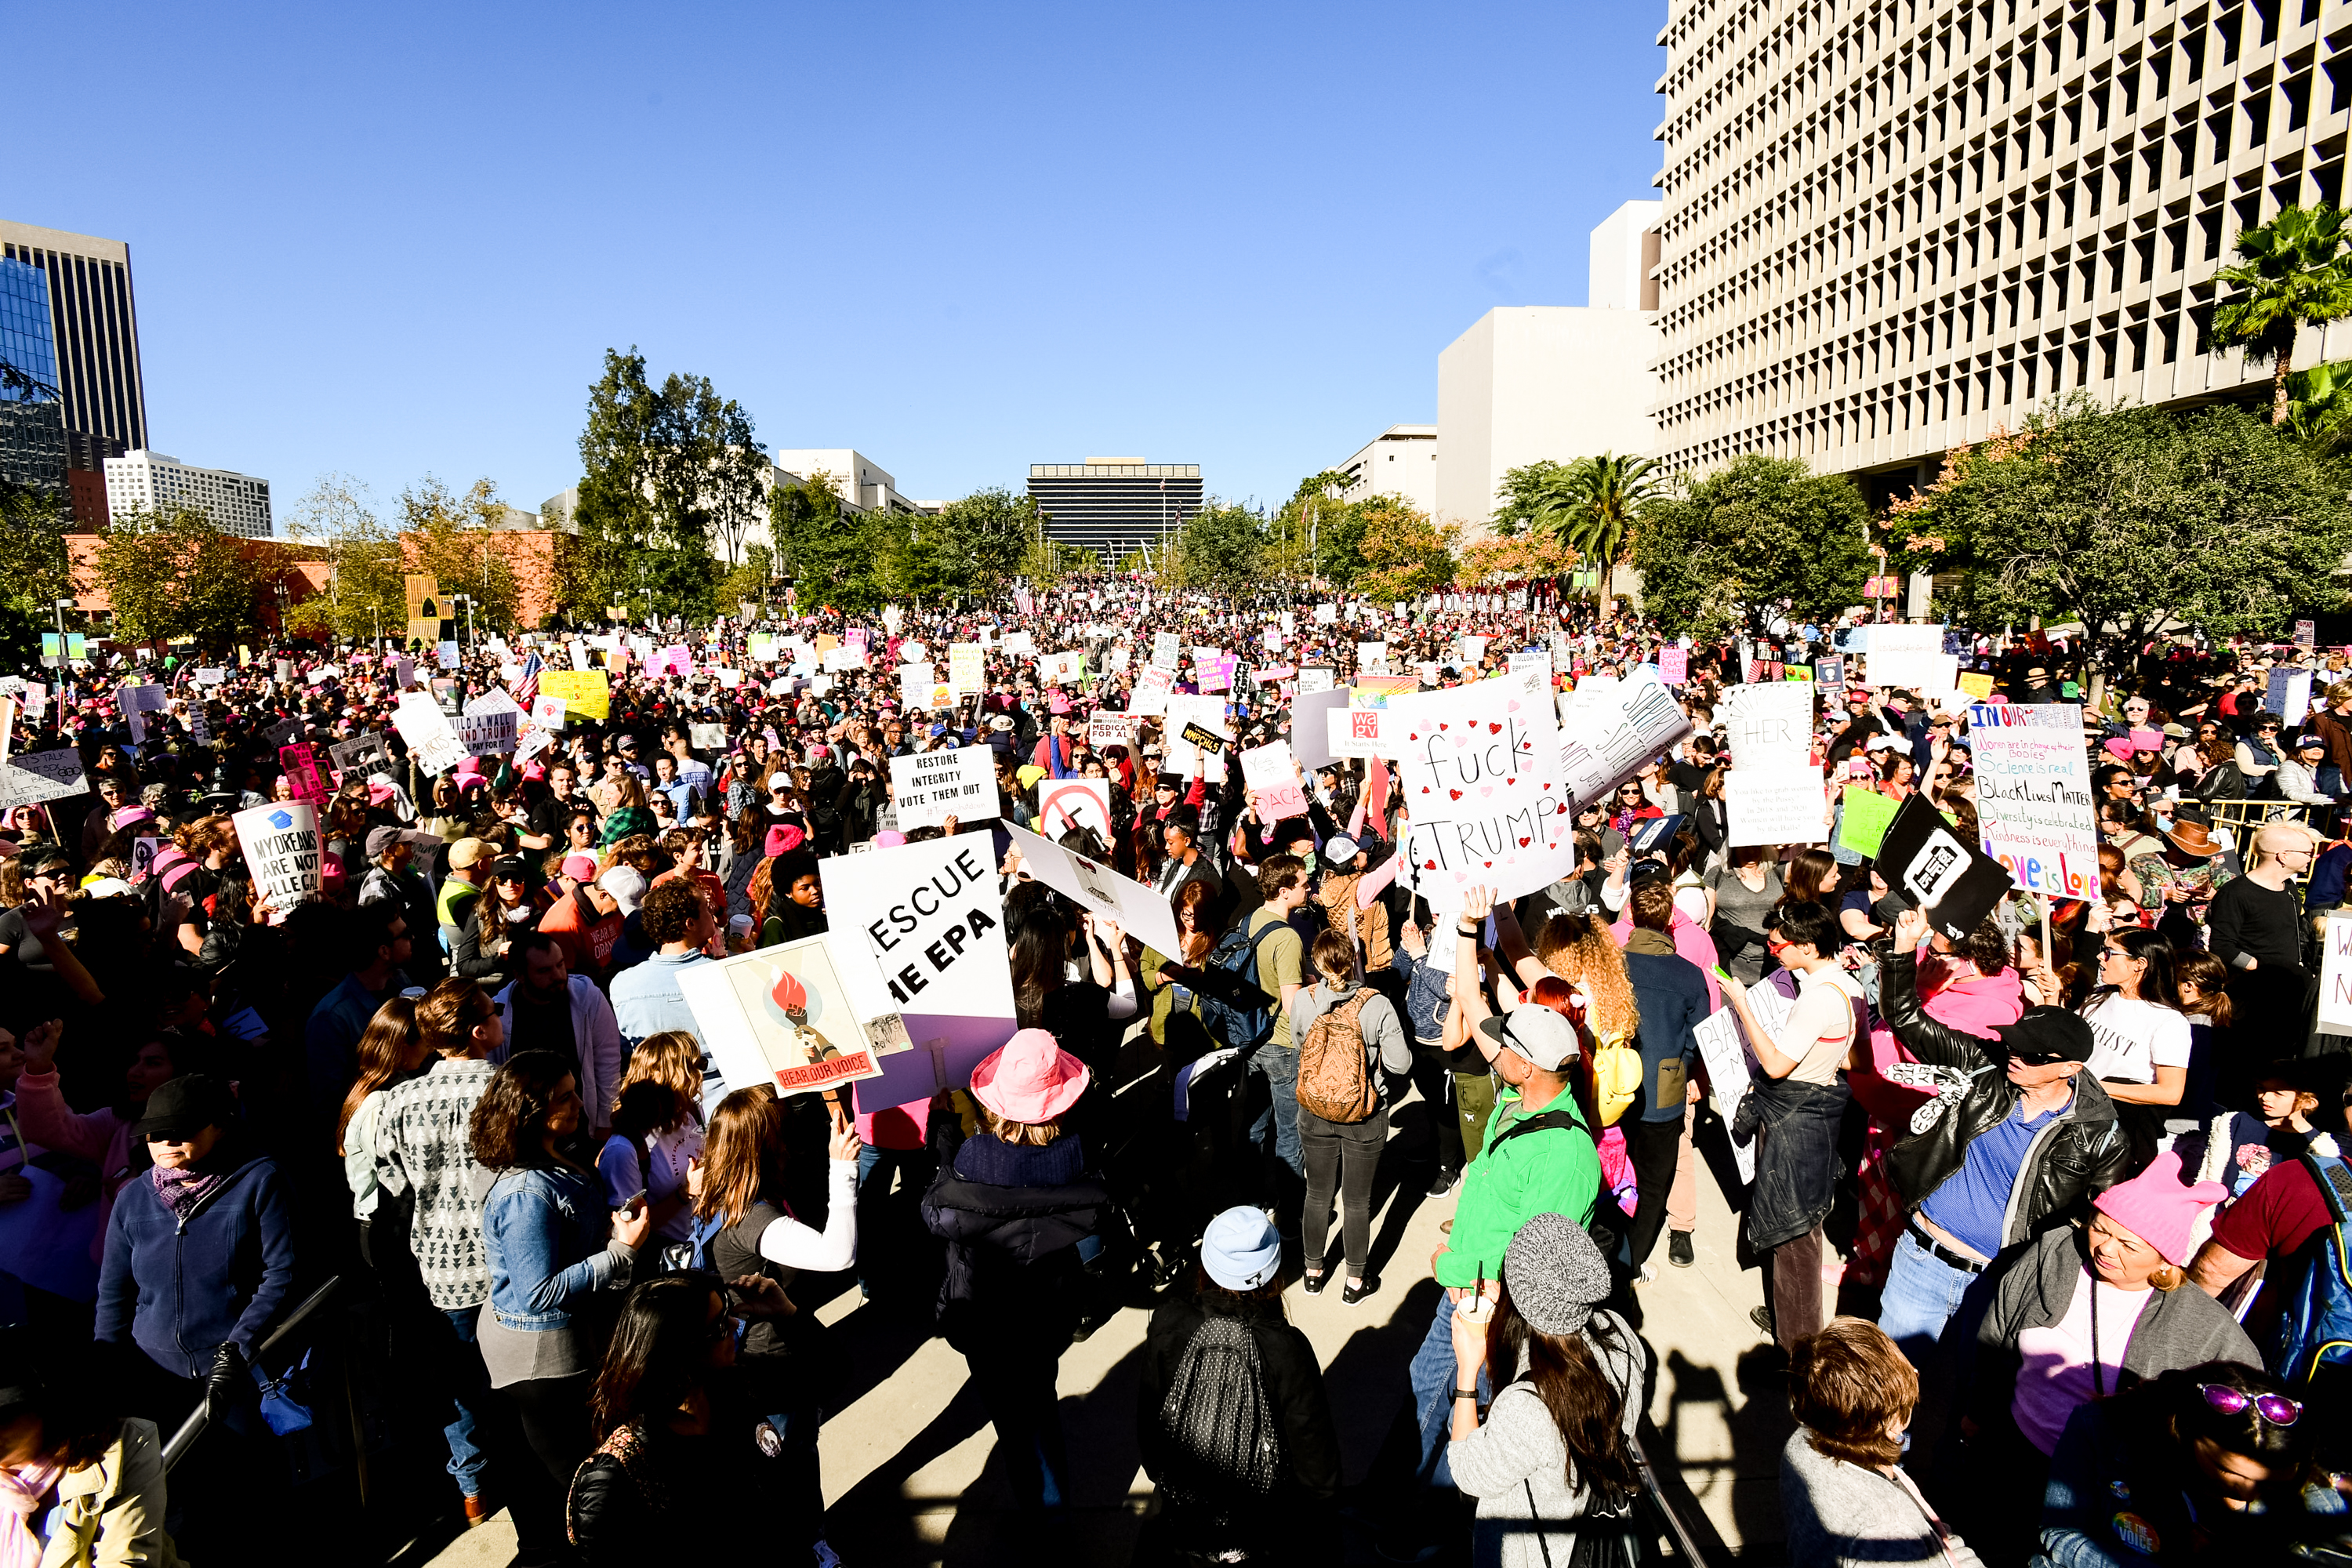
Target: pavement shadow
(1367,1383)
(1395,1190)
(1755,1411)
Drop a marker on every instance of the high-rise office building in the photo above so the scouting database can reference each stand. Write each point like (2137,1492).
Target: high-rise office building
(94,336)
(32,420)
(1891,227)
(1115,505)
(236,503)
(1401,460)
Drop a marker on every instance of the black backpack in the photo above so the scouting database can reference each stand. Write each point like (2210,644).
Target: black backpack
(1223,1431)
(1234,1007)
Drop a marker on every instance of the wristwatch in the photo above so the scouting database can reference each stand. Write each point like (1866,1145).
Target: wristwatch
(1461,929)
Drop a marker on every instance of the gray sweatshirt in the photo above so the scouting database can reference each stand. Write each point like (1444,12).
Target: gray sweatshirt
(1517,1459)
(1846,1516)
(1386,1045)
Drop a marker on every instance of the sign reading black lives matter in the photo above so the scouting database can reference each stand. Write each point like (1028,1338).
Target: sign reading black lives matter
(932,786)
(1933,869)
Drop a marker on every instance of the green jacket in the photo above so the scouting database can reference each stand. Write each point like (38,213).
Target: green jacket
(1556,1172)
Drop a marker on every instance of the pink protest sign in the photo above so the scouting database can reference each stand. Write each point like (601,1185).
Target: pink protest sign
(1674,666)
(300,766)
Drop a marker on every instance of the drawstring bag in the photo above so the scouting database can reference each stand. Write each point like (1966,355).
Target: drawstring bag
(286,1398)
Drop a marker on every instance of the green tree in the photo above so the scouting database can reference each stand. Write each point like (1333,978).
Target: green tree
(2130,519)
(984,537)
(1221,546)
(1524,494)
(173,574)
(335,523)
(1588,505)
(824,555)
(1404,553)
(34,570)
(750,581)
(2293,275)
(1760,537)
(452,537)
(668,469)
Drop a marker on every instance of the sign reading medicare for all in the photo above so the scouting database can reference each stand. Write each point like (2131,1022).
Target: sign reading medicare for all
(2034,812)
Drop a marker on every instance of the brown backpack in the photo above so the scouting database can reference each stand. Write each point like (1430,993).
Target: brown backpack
(1332,1080)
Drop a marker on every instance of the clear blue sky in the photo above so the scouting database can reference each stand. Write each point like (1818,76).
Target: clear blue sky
(962,238)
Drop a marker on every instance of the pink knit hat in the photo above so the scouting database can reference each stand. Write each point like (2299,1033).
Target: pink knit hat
(2154,1206)
(784,839)
(1030,1079)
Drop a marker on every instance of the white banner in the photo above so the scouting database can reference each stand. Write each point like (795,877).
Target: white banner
(1143,913)
(282,851)
(2034,813)
(1616,732)
(1908,655)
(1774,805)
(932,786)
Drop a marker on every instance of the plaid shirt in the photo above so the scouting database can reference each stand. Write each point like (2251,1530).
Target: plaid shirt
(422,1148)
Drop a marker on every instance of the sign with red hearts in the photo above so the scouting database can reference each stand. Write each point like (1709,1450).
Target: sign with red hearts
(1486,803)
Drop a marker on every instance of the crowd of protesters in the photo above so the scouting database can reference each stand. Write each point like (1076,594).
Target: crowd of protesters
(2044,1210)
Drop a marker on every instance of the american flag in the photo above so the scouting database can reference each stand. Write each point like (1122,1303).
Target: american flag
(528,686)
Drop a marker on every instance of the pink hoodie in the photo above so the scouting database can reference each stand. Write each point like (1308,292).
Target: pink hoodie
(1691,942)
(102,1137)
(1974,1004)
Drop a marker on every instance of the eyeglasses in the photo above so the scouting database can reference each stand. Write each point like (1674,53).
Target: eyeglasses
(2108,952)
(2275,1408)
(2038,1058)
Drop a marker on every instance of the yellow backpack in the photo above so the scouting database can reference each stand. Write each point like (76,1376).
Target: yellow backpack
(1616,1078)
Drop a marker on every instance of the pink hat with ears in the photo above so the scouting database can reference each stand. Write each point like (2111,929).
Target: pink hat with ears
(1031,1080)
(2154,1206)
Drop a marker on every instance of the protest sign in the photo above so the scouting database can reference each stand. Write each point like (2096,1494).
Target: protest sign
(431,741)
(1017,643)
(38,776)
(1152,689)
(1956,884)
(916,931)
(1065,804)
(1327,614)
(1829,673)
(1314,679)
(1863,819)
(1481,772)
(781,1016)
(587,692)
(1310,733)
(1613,740)
(2034,812)
(838,659)
(1167,650)
(1768,725)
(135,701)
(1976,684)
(1908,655)
(1206,714)
(711,738)
(1772,804)
(547,712)
(1674,666)
(919,684)
(2335,976)
(490,725)
(1362,733)
(361,755)
(1272,775)
(300,763)
(1725,1052)
(1374,691)
(2288,695)
(1107,727)
(967,668)
(932,786)
(1372,658)
(1095,887)
(281,850)
(1061,668)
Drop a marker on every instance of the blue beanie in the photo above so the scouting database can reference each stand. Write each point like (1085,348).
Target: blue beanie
(1240,1250)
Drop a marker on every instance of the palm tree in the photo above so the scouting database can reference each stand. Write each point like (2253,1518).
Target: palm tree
(2293,275)
(1589,506)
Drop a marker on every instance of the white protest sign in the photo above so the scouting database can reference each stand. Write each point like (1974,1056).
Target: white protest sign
(932,786)
(1065,804)
(2335,976)
(1774,804)
(2289,695)
(1310,737)
(1908,655)
(281,850)
(1725,1056)
(1767,724)
(2034,813)
(490,724)
(837,659)
(1315,678)
(28,780)
(1152,687)
(1613,738)
(1015,643)
(1371,658)
(1209,714)
(547,712)
(1167,650)
(1480,767)
(426,729)
(1272,775)
(1107,727)
(967,668)
(1061,668)
(1143,913)
(136,702)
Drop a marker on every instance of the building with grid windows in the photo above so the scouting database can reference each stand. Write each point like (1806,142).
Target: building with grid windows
(1116,505)
(1892,227)
(94,340)
(1401,460)
(32,418)
(236,503)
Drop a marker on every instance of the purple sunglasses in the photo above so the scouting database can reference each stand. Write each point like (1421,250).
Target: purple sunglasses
(2275,1408)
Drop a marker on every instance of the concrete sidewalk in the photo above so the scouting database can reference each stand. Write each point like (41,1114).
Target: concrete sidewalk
(907,1480)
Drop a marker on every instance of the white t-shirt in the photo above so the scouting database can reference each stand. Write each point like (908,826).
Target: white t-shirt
(2134,1039)
(2055,1375)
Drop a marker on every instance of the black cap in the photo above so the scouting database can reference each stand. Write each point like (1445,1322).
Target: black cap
(2051,1034)
(513,868)
(1644,872)
(183,1106)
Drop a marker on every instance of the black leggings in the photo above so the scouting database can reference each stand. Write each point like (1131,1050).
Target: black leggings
(1653,1147)
(1433,1074)
(1345,1155)
(554,1416)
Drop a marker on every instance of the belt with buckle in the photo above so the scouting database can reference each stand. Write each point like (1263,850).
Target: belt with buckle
(1943,1254)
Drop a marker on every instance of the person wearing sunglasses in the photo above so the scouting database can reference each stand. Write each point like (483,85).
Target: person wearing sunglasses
(2083,1314)
(2204,1464)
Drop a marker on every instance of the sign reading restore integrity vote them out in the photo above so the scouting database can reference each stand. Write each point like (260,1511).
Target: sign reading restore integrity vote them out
(932,786)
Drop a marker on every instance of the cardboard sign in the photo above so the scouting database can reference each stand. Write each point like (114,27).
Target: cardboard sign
(932,786)
(1861,825)
(586,692)
(1773,805)
(711,738)
(1095,887)
(361,755)
(918,932)
(1956,884)
(2335,976)
(2034,811)
(1310,731)
(1977,684)
(1725,1052)
(1107,727)
(1066,804)
(280,842)
(1314,679)
(1202,713)
(1481,772)
(2289,695)
(1061,668)
(300,763)
(28,780)
(431,741)
(1615,738)
(781,1016)
(1271,773)
(1768,725)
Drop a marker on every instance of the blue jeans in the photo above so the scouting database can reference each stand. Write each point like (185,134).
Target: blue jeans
(469,1391)
(1433,1374)
(1923,1296)
(1275,1130)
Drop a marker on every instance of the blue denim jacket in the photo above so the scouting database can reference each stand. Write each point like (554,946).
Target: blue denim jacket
(1428,991)
(546,1235)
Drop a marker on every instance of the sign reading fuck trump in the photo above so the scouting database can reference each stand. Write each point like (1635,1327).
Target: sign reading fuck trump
(1480,771)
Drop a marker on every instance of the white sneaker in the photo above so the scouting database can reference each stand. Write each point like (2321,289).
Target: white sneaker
(1645,1274)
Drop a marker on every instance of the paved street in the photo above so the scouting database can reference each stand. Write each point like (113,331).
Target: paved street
(906,1466)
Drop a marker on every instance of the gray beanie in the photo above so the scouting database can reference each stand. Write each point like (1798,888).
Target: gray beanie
(1555,1274)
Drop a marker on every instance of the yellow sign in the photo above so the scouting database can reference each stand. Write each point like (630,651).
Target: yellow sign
(1977,685)
(585,692)
(424,602)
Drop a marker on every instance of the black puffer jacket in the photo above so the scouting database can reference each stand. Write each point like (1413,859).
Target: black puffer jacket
(1012,1217)
(648,1490)
(2079,1154)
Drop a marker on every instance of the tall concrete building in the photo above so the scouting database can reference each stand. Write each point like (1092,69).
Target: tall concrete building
(1115,504)
(1401,460)
(863,484)
(236,503)
(94,336)
(1890,227)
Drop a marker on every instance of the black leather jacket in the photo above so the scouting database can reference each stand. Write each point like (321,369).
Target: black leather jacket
(2080,1153)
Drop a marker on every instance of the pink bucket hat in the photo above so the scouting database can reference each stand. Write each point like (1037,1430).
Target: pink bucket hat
(2154,1206)
(1031,1080)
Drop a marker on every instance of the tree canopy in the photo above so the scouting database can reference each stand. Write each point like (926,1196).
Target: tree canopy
(1760,537)
(173,574)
